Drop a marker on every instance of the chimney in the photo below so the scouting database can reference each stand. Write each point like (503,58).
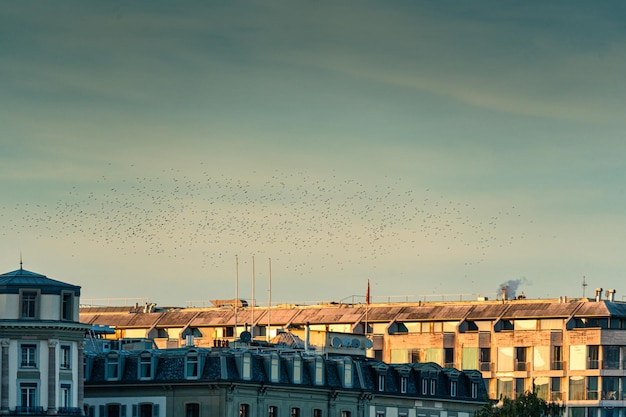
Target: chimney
(504,288)
(612,295)
(598,294)
(307,336)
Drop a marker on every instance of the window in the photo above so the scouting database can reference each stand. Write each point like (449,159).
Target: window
(66,357)
(557,358)
(577,388)
(519,387)
(112,410)
(381,382)
(404,383)
(520,358)
(29,356)
(424,386)
(67,304)
(29,304)
(345,413)
(448,357)
(453,386)
(297,370)
(319,371)
(380,414)
(295,412)
(191,365)
(433,386)
(192,410)
(28,395)
(317,412)
(274,368)
(66,395)
(474,389)
(610,388)
(347,373)
(246,372)
(610,357)
(592,388)
(90,410)
(244,410)
(593,357)
(148,410)
(145,365)
(485,359)
(112,367)
(272,411)
(555,389)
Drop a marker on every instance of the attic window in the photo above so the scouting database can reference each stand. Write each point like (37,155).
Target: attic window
(67,305)
(192,368)
(29,304)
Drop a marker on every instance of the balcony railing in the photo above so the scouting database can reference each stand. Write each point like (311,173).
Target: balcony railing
(28,411)
(522,366)
(556,365)
(485,366)
(556,396)
(592,395)
(610,395)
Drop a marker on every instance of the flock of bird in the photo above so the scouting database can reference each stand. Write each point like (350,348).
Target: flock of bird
(308,223)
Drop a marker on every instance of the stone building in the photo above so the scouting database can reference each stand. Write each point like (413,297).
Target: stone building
(41,363)
(572,351)
(244,381)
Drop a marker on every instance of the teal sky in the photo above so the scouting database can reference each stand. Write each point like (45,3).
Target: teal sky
(430,147)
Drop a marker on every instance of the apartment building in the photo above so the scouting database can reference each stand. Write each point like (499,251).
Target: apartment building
(572,351)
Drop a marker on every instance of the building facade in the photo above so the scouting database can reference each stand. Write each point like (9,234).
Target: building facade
(571,351)
(41,341)
(245,381)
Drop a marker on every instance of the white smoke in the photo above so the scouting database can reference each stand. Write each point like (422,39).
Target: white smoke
(510,287)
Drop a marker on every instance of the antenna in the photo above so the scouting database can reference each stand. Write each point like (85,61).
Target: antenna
(20,260)
(252,311)
(584,285)
(269,301)
(236,291)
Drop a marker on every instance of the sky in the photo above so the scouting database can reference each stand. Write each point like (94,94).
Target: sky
(292,152)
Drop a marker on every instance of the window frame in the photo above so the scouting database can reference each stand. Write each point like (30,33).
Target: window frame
(29,304)
(65,359)
(29,353)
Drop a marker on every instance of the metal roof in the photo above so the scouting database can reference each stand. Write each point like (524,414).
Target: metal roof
(11,282)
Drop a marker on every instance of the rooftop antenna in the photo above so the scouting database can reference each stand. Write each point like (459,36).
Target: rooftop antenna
(236,291)
(21,264)
(269,300)
(584,285)
(252,310)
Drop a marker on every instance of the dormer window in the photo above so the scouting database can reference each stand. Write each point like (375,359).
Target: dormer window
(145,365)
(67,306)
(319,371)
(453,388)
(297,370)
(192,365)
(381,382)
(274,368)
(29,304)
(246,366)
(347,373)
(112,367)
(404,384)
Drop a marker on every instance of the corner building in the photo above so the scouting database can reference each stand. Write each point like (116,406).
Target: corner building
(41,341)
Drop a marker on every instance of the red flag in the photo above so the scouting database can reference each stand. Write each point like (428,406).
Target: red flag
(367,294)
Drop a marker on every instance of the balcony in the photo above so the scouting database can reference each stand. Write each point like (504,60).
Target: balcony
(556,396)
(557,366)
(28,411)
(522,366)
(485,366)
